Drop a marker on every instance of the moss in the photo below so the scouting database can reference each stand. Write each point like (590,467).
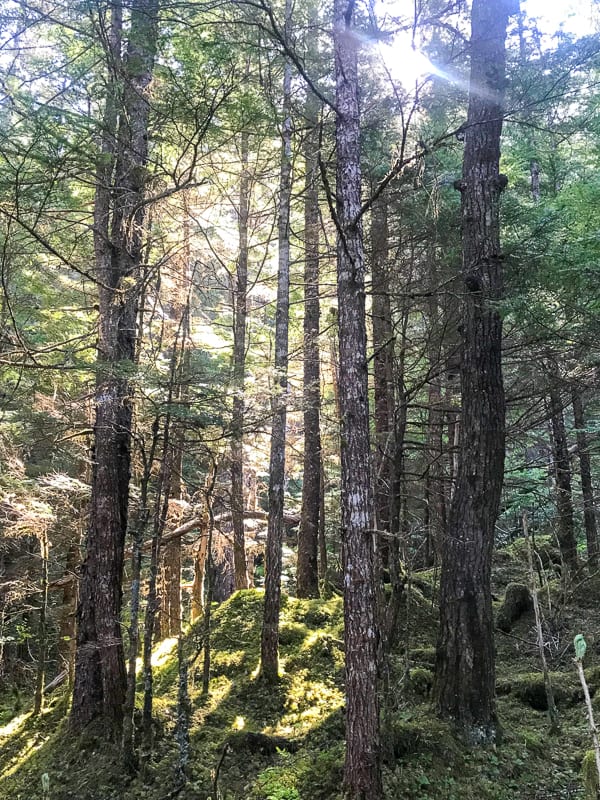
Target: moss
(292,633)
(421,681)
(517,602)
(589,775)
(530,689)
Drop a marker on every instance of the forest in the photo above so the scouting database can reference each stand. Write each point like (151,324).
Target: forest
(299,417)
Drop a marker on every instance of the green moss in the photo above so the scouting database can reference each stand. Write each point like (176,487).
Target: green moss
(589,775)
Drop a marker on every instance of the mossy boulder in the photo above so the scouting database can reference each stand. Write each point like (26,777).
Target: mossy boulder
(517,602)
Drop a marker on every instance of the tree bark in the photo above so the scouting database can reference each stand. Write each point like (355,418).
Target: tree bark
(465,669)
(269,658)
(562,473)
(239,366)
(362,770)
(99,689)
(308,535)
(585,470)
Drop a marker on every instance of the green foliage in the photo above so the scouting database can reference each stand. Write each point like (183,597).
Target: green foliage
(580,647)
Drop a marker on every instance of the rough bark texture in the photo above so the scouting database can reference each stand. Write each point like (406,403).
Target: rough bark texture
(585,470)
(118,231)
(308,535)
(269,658)
(465,669)
(562,471)
(362,770)
(239,366)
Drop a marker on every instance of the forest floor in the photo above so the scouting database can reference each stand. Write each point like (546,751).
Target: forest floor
(253,742)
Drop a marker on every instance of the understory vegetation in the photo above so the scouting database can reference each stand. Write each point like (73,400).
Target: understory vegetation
(250,741)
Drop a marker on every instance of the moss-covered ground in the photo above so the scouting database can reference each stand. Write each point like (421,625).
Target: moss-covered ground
(303,717)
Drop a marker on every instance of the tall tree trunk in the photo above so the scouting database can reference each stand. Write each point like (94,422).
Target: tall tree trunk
(269,657)
(362,771)
(585,470)
(562,473)
(465,669)
(99,689)
(308,534)
(239,365)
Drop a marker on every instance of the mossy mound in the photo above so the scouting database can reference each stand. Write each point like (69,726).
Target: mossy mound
(517,602)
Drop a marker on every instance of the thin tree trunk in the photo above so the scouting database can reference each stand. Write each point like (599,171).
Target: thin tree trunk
(362,770)
(129,757)
(42,627)
(383,364)
(169,618)
(239,366)
(308,534)
(66,645)
(562,472)
(465,669)
(269,657)
(585,470)
(552,710)
(200,558)
(323,566)
(210,569)
(99,687)
(161,510)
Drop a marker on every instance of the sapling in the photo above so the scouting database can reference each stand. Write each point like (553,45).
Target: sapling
(46,786)
(580,648)
(552,710)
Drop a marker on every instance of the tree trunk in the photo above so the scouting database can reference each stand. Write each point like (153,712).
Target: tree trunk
(362,770)
(161,508)
(465,669)
(200,559)
(269,658)
(562,473)
(239,366)
(169,618)
(42,627)
(139,531)
(66,644)
(585,470)
(308,534)
(383,363)
(99,689)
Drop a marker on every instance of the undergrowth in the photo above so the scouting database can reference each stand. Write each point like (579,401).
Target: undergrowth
(287,742)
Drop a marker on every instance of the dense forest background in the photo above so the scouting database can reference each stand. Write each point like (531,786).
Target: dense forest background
(299,325)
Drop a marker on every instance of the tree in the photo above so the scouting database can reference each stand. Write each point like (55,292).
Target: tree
(307,576)
(119,213)
(585,470)
(240,302)
(362,771)
(465,668)
(269,659)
